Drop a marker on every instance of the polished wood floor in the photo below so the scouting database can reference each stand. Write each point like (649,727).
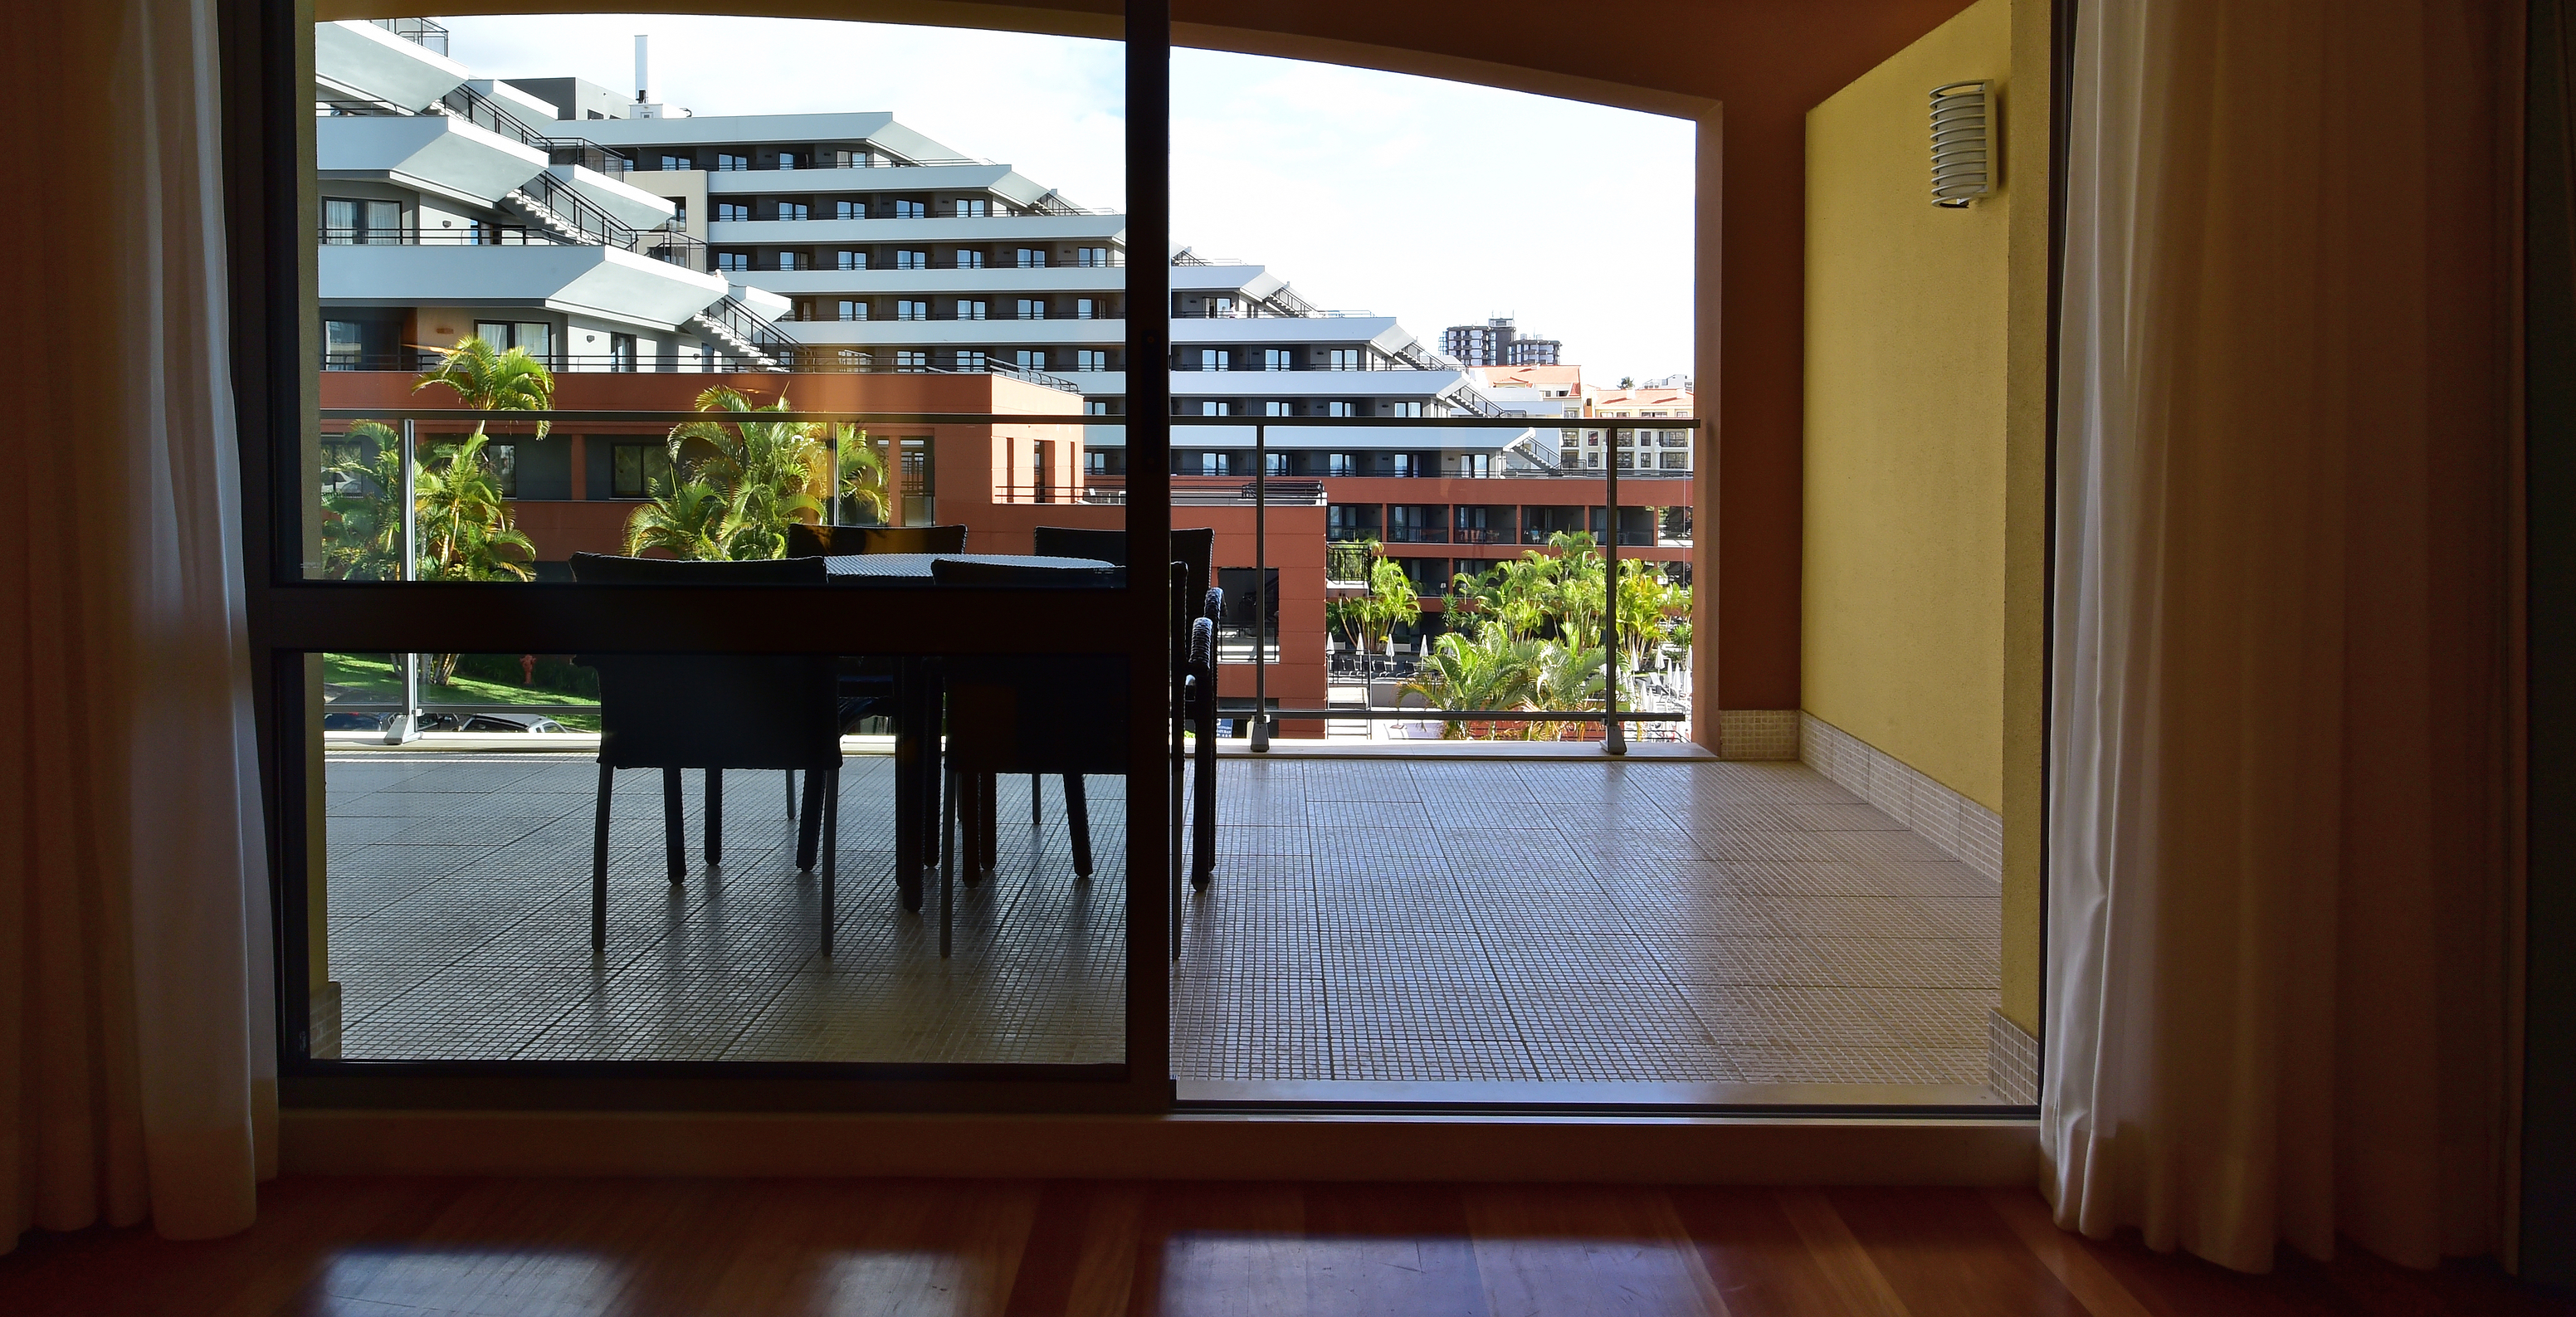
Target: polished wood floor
(750,1247)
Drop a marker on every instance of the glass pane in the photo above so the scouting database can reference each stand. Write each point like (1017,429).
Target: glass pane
(455,892)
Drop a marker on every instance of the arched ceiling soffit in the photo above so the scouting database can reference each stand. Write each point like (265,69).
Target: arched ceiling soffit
(1758,57)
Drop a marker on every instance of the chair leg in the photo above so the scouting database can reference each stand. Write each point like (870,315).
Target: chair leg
(715,816)
(1037,800)
(831,851)
(791,795)
(599,864)
(675,840)
(809,826)
(1077,818)
(988,838)
(1203,820)
(947,856)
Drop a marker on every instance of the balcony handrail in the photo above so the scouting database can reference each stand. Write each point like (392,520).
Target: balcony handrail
(650,415)
(419,31)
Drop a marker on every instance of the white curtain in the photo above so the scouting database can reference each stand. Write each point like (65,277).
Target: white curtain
(137,1027)
(2276,998)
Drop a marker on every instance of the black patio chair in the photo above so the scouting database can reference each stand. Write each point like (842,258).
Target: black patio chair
(712,712)
(1194,600)
(805,541)
(1064,715)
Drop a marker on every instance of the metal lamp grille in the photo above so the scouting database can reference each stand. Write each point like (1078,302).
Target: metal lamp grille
(1962,153)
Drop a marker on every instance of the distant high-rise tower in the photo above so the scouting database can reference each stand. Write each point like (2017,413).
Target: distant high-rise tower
(1497,343)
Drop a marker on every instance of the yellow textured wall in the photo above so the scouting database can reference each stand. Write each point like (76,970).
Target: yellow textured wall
(1906,351)
(1925,489)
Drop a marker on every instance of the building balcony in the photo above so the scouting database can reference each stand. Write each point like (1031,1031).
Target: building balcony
(934,229)
(631,206)
(433,153)
(1003,281)
(357,60)
(1049,334)
(606,282)
(1568,921)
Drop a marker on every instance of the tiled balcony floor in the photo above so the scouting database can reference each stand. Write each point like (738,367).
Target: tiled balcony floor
(1371,919)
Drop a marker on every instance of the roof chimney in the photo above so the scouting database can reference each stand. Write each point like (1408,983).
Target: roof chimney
(643,72)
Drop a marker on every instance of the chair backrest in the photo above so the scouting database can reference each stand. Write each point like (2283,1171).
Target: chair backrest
(805,541)
(964,571)
(1195,545)
(713,710)
(1037,713)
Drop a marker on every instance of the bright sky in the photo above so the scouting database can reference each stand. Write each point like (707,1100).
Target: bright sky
(1436,202)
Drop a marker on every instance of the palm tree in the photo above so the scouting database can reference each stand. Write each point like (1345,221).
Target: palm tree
(759,474)
(1490,671)
(362,518)
(490,381)
(1391,599)
(465,527)
(863,474)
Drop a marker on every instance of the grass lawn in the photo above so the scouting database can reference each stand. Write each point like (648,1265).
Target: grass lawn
(374,677)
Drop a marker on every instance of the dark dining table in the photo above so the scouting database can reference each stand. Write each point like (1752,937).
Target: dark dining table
(916,694)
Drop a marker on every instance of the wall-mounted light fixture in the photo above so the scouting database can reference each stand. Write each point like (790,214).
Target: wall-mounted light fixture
(1962,143)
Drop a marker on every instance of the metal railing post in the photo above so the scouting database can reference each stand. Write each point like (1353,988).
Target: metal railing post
(1260,589)
(1613,737)
(405,726)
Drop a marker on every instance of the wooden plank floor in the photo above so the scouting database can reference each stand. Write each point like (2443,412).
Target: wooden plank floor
(752,1247)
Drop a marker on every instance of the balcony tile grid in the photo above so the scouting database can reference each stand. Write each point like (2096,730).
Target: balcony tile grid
(1900,847)
(1862,817)
(1930,1018)
(1945,879)
(1374,815)
(466,1019)
(360,830)
(1827,1064)
(1254,838)
(1960,918)
(644,1016)
(1851,962)
(1696,816)
(432,804)
(1446,783)
(1352,782)
(475,775)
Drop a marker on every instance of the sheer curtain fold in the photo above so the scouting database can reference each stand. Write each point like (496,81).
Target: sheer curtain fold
(2278,875)
(137,1029)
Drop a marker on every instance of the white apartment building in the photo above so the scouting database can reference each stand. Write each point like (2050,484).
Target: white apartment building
(820,242)
(453,207)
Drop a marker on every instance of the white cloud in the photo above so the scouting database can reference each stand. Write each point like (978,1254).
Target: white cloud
(1439,202)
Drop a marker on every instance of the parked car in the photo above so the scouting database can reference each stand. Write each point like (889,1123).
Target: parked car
(354,722)
(489,722)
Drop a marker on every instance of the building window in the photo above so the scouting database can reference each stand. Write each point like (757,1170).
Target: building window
(787,160)
(1085,308)
(504,462)
(1094,461)
(969,258)
(1033,308)
(1279,359)
(535,337)
(1032,358)
(1095,407)
(849,210)
(1627,460)
(1403,409)
(970,361)
(911,363)
(1592,460)
(911,210)
(1090,359)
(792,210)
(733,262)
(1345,359)
(727,162)
(728,212)
(1032,258)
(621,352)
(344,345)
(1401,464)
(1216,464)
(707,358)
(1674,439)
(851,260)
(970,208)
(1277,407)
(970,309)
(1341,409)
(1088,257)
(1212,407)
(1341,464)
(678,162)
(907,309)
(1274,464)
(911,260)
(1673,461)
(637,470)
(1215,359)
(789,261)
(854,308)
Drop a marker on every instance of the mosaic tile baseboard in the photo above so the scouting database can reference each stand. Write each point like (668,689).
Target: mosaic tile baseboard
(1970,832)
(1757,733)
(2012,1061)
